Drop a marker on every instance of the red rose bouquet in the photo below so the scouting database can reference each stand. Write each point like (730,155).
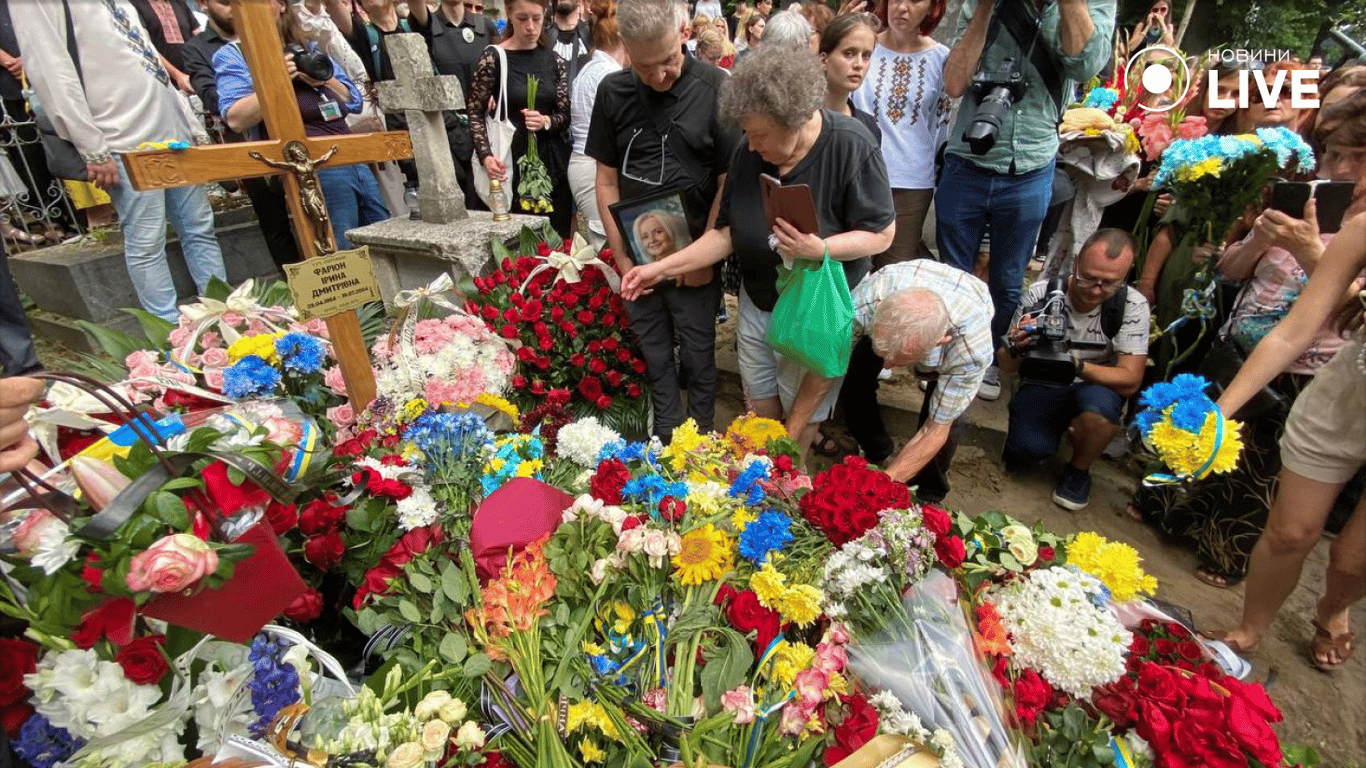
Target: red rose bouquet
(844,500)
(572,329)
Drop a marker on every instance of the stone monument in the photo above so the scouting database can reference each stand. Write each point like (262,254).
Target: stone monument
(411,253)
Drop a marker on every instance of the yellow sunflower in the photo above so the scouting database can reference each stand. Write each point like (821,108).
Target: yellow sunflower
(705,554)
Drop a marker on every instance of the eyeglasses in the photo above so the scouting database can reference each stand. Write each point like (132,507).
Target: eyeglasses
(642,165)
(1091,282)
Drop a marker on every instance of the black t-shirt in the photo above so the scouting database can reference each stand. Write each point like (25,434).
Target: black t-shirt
(629,115)
(371,48)
(198,53)
(456,51)
(184,21)
(849,185)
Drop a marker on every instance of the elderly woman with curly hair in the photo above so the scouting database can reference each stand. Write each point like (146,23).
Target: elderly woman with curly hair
(776,96)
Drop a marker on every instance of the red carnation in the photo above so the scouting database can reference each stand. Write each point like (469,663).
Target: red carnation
(607,482)
(1046,554)
(1032,694)
(590,388)
(519,381)
(596,365)
(633,389)
(538,387)
(614,378)
(143,661)
(585,317)
(91,575)
(672,509)
(603,403)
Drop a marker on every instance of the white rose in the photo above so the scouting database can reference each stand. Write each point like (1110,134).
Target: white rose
(453,711)
(435,734)
(470,736)
(406,755)
(656,543)
(430,705)
(1020,541)
(599,570)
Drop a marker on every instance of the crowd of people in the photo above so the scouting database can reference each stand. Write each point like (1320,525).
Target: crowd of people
(679,113)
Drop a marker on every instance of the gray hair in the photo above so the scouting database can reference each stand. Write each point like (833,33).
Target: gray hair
(784,85)
(650,21)
(914,317)
(788,29)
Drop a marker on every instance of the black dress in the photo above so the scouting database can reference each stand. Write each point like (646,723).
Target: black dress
(552,99)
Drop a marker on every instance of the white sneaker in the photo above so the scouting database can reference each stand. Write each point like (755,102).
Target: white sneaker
(991,384)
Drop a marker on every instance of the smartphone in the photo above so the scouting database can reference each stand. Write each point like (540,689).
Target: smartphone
(1332,199)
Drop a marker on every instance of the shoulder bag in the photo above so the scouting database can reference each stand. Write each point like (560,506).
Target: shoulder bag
(63,159)
(500,131)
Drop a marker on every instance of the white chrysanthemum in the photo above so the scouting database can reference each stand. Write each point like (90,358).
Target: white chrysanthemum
(581,441)
(1057,629)
(418,510)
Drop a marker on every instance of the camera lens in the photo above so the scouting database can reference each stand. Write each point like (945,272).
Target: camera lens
(986,121)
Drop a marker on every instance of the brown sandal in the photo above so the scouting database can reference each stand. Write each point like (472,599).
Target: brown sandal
(1326,644)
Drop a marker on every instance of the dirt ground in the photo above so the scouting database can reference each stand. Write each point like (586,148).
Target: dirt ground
(1325,711)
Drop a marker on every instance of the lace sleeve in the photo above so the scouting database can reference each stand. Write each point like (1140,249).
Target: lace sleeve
(481,91)
(560,120)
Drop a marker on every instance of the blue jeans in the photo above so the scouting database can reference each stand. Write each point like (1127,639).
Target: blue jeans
(143,216)
(1040,415)
(353,199)
(967,198)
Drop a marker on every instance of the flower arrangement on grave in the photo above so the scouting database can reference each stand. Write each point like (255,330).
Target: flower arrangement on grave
(558,303)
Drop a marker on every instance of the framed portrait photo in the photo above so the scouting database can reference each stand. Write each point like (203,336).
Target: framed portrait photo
(654,226)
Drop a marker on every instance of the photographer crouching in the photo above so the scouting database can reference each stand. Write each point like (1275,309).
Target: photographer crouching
(1080,344)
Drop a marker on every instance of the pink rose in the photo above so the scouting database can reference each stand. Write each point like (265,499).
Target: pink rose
(213,379)
(232,318)
(739,701)
(283,432)
(143,358)
(210,339)
(342,415)
(317,326)
(179,335)
(171,564)
(334,380)
(37,526)
(215,357)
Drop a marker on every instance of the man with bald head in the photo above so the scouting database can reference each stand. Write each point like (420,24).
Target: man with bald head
(1107,336)
(916,313)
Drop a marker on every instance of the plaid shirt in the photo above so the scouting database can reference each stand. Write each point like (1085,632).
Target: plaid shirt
(960,363)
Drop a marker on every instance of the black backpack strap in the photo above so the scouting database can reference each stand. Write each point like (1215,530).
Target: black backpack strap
(1112,312)
(71,48)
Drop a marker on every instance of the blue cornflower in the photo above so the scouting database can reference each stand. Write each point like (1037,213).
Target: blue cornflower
(250,377)
(301,352)
(628,452)
(1185,390)
(770,533)
(749,484)
(651,489)
(443,436)
(1102,98)
(274,684)
(43,745)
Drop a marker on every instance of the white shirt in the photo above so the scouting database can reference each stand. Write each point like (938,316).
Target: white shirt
(711,8)
(321,29)
(585,93)
(122,104)
(904,92)
(1131,339)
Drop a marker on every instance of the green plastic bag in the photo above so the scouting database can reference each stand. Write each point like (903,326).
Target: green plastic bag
(813,321)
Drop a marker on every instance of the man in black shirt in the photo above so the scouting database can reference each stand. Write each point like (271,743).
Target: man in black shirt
(169,25)
(457,38)
(568,34)
(655,128)
(267,195)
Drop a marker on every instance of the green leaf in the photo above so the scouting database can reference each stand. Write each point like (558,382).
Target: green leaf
(1073,722)
(420,582)
(367,620)
(477,665)
(157,331)
(453,648)
(727,667)
(691,622)
(454,585)
(409,611)
(171,510)
(116,344)
(217,289)
(438,612)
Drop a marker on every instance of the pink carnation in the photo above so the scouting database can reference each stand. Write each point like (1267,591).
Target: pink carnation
(1192,127)
(739,701)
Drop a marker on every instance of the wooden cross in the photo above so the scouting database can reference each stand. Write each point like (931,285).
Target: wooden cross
(292,154)
(422,97)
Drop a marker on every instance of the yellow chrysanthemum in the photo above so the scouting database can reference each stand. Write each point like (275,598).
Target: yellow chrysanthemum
(704,497)
(768,584)
(1210,166)
(529,468)
(414,408)
(1115,563)
(578,715)
(800,604)
(261,345)
(685,442)
(839,686)
(1186,454)
(789,659)
(704,554)
(498,404)
(592,649)
(750,432)
(743,517)
(591,752)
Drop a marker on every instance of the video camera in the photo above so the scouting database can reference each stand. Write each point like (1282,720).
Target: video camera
(995,92)
(314,64)
(1049,359)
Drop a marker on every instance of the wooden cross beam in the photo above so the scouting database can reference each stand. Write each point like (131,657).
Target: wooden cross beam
(292,154)
(422,97)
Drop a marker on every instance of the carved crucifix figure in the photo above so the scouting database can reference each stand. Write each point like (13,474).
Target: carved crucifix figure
(305,173)
(295,156)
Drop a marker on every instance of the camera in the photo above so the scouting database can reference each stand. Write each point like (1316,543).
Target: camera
(314,64)
(995,92)
(1047,360)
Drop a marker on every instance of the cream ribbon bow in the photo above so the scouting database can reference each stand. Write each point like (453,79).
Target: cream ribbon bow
(435,292)
(568,265)
(208,313)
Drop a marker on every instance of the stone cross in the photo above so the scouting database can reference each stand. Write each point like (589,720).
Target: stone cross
(293,155)
(422,97)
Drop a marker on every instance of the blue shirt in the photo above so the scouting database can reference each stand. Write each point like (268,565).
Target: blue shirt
(1029,133)
(234,82)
